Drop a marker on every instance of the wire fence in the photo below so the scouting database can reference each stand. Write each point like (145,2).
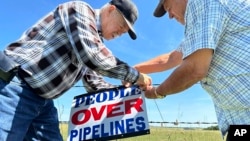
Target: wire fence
(182,124)
(173,124)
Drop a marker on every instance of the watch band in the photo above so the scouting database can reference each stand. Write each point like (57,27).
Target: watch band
(158,95)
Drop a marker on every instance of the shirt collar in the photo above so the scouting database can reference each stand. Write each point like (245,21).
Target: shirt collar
(98,20)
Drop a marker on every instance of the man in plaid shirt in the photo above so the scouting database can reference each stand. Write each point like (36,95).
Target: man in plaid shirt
(62,48)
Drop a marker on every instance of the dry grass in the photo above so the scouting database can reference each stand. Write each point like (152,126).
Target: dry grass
(167,134)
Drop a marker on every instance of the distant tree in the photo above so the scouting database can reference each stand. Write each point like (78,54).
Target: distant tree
(212,128)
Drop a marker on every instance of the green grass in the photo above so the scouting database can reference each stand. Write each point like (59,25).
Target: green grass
(167,134)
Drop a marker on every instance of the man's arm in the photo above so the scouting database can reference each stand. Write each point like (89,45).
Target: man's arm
(93,81)
(160,63)
(192,69)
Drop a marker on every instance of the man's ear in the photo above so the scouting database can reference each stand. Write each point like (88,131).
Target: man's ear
(111,8)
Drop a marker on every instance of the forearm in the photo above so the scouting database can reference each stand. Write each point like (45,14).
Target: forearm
(160,63)
(121,71)
(181,79)
(93,81)
(192,69)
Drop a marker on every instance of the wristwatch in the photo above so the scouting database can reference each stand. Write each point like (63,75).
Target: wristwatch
(158,95)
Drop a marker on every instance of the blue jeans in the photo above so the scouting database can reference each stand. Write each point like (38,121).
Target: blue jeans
(25,116)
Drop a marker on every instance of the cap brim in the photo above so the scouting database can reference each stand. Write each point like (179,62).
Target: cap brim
(159,11)
(131,30)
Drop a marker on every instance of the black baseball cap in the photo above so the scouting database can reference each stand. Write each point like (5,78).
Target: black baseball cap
(129,12)
(159,10)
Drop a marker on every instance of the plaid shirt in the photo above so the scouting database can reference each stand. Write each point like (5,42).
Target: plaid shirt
(53,59)
(224,26)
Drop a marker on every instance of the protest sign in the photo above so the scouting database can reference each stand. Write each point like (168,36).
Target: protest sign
(109,114)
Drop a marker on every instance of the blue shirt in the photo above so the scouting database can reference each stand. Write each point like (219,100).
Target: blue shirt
(224,27)
(53,58)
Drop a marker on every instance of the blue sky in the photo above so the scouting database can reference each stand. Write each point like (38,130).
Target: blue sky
(154,37)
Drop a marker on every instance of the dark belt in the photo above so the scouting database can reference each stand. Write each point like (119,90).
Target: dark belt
(8,67)
(8,76)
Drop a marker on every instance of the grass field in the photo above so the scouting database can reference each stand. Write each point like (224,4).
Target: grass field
(167,134)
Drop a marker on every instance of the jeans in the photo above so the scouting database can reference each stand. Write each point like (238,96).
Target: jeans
(25,116)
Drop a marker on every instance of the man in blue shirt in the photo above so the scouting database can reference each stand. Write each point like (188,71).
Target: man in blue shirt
(215,51)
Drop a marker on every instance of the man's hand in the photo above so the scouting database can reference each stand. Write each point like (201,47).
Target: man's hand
(144,81)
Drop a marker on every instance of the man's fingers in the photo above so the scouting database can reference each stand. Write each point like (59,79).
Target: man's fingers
(145,87)
(126,84)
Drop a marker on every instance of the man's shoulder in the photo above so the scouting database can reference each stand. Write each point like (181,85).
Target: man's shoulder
(78,3)
(80,7)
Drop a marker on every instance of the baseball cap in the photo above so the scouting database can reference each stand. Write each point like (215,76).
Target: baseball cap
(129,12)
(159,11)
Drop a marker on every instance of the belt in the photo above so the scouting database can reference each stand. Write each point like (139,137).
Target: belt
(8,76)
(8,67)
